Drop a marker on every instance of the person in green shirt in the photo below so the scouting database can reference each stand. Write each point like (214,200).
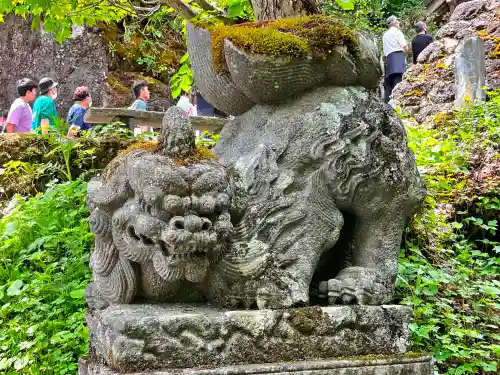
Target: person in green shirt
(44,109)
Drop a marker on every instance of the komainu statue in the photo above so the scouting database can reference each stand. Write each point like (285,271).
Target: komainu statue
(305,201)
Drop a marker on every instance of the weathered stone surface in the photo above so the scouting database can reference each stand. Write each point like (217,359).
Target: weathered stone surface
(118,91)
(80,61)
(331,182)
(315,190)
(131,338)
(429,86)
(375,366)
(470,71)
(166,231)
(210,82)
(258,79)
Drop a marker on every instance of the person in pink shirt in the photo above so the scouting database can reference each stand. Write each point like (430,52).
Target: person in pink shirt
(3,123)
(20,116)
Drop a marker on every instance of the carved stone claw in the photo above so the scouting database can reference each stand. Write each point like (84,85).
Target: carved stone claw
(356,286)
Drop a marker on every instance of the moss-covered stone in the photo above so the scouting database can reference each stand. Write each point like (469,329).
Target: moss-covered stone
(313,36)
(148,146)
(36,159)
(495,54)
(200,154)
(414,93)
(306,319)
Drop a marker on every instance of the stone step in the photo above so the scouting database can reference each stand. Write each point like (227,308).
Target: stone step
(397,365)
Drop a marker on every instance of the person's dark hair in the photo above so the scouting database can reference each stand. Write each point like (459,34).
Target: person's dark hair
(419,26)
(24,85)
(81,93)
(137,87)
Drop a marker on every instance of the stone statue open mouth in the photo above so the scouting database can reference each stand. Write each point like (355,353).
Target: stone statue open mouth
(182,249)
(183,254)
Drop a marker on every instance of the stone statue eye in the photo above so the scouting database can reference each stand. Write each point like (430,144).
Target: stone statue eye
(222,202)
(206,205)
(172,204)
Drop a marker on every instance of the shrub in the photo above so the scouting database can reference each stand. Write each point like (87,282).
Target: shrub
(449,268)
(44,251)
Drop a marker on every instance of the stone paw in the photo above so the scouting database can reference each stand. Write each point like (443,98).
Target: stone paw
(280,290)
(357,286)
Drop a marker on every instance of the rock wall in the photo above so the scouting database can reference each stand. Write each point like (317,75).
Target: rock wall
(118,91)
(79,61)
(429,86)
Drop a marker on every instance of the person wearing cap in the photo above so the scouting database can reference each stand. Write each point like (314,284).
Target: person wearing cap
(44,109)
(76,113)
(395,48)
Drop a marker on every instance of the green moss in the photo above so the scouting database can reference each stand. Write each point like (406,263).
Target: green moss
(495,54)
(147,145)
(306,319)
(313,36)
(414,93)
(115,84)
(374,357)
(199,154)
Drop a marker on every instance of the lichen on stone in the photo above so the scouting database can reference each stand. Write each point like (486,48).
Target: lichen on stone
(495,54)
(314,36)
(306,319)
(147,145)
(414,93)
(199,154)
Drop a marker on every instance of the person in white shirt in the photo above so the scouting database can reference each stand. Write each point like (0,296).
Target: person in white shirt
(395,48)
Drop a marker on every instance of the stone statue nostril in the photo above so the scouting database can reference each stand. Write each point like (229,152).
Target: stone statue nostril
(146,240)
(206,225)
(132,233)
(164,248)
(179,224)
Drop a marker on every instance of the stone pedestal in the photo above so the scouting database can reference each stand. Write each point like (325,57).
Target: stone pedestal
(162,339)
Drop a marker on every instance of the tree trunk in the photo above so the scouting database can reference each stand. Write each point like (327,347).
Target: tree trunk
(274,9)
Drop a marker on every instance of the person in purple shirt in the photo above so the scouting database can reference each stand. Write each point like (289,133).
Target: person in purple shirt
(20,116)
(76,114)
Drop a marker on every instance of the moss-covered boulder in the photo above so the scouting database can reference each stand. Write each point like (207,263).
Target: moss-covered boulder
(28,162)
(238,66)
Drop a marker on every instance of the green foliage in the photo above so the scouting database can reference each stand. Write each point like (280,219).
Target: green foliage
(237,9)
(58,16)
(207,139)
(182,80)
(450,266)
(41,160)
(372,14)
(44,250)
(154,43)
(115,130)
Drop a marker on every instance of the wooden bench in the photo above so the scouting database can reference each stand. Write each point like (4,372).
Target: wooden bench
(133,118)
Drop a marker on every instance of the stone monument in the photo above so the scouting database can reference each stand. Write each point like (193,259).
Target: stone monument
(280,253)
(470,71)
